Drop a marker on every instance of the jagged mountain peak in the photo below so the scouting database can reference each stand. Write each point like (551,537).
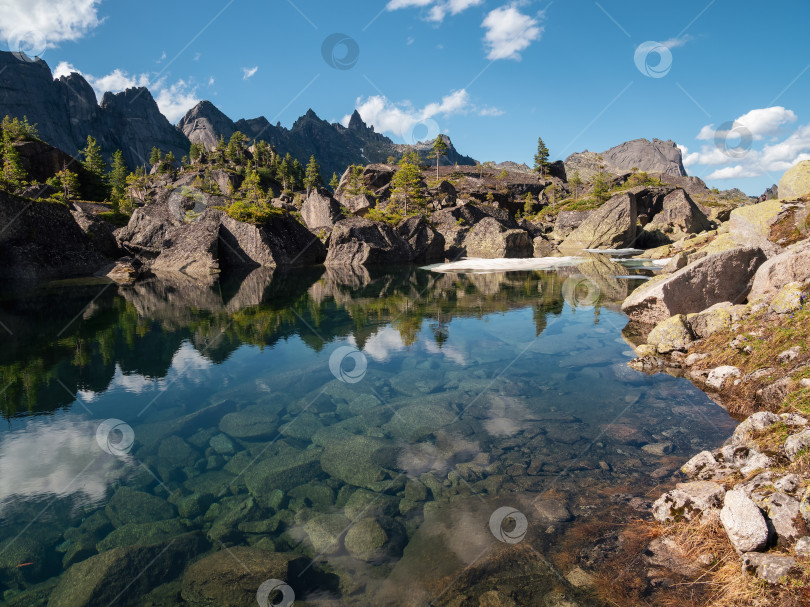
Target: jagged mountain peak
(356,122)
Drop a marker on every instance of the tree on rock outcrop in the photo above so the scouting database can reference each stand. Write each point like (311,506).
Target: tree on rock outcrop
(118,180)
(155,157)
(68,182)
(312,177)
(576,183)
(94,186)
(406,186)
(334,182)
(236,147)
(541,158)
(438,151)
(195,152)
(13,172)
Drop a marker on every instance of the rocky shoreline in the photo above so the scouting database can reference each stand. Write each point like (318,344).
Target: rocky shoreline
(729,313)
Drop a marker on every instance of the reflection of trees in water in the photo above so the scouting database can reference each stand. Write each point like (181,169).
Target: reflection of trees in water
(139,329)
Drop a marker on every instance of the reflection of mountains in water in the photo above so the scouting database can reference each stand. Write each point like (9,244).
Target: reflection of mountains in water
(60,344)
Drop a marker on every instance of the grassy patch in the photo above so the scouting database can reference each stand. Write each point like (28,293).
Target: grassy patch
(117,219)
(246,212)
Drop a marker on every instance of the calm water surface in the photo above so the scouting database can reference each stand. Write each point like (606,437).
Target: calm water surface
(419,438)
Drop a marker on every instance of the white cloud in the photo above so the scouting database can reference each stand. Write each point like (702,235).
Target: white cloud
(760,123)
(400,119)
(743,159)
(36,25)
(248,72)
(490,111)
(438,9)
(509,32)
(174,100)
(211,81)
(676,42)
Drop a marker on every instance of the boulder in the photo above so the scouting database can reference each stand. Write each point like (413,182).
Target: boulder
(366,540)
(99,233)
(743,522)
(567,222)
(360,205)
(680,216)
(791,266)
(688,500)
(783,514)
(123,576)
(711,320)
(718,376)
(233,577)
(751,225)
(42,241)
(282,241)
(796,444)
(426,244)
(454,224)
(192,249)
(543,247)
(717,278)
(320,210)
(325,532)
(373,177)
(789,299)
(611,226)
(490,239)
(795,183)
(671,335)
(359,241)
(769,567)
(755,422)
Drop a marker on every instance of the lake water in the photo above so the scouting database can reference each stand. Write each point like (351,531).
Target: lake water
(420,438)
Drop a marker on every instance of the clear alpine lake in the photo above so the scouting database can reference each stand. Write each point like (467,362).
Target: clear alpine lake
(414,436)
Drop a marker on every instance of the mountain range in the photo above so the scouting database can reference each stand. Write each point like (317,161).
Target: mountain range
(66,111)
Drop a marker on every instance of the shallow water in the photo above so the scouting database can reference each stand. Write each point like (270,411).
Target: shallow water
(377,424)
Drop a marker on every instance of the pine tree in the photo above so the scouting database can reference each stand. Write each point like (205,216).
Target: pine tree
(235,151)
(601,187)
(438,151)
(118,180)
(528,204)
(155,157)
(94,185)
(312,178)
(13,172)
(407,182)
(168,163)
(356,185)
(298,175)
(576,182)
(68,181)
(283,174)
(195,152)
(334,182)
(251,188)
(541,158)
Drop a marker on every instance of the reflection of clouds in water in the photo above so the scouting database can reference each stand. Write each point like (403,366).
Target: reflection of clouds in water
(184,361)
(505,414)
(45,457)
(383,343)
(439,457)
(450,352)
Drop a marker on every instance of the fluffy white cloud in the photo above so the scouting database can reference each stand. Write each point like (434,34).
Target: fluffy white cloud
(738,158)
(438,9)
(760,123)
(676,42)
(509,32)
(32,26)
(402,118)
(249,72)
(174,100)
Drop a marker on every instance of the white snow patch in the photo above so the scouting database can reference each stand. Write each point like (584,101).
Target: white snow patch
(477,265)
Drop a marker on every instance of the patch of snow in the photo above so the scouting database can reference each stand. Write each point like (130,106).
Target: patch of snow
(482,266)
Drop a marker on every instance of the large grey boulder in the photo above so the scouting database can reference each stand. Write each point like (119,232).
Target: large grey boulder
(611,226)
(791,266)
(41,241)
(679,216)
(688,500)
(796,181)
(427,245)
(320,210)
(567,222)
(724,276)
(751,225)
(743,521)
(357,241)
(454,224)
(490,239)
(654,156)
(99,233)
(769,567)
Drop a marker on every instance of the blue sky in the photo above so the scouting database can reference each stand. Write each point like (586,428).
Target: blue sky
(726,79)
